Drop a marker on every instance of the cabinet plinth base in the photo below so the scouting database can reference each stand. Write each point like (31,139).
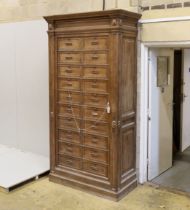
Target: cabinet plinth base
(98,191)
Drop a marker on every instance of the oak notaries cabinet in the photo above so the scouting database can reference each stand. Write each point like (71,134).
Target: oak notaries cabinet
(93,101)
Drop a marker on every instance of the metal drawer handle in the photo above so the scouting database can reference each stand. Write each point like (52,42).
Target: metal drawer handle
(68,149)
(94,155)
(94,141)
(94,127)
(94,100)
(95,137)
(94,168)
(69,136)
(94,43)
(94,86)
(69,70)
(95,72)
(69,161)
(69,84)
(68,123)
(94,113)
(69,58)
(69,43)
(69,132)
(95,57)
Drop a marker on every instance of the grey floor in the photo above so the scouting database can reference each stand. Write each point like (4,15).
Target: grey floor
(177,177)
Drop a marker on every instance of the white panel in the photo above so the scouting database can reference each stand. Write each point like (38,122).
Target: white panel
(7,86)
(161,114)
(18,166)
(24,121)
(186,102)
(32,85)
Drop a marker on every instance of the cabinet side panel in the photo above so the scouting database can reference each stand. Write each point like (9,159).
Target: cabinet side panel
(52,99)
(128,152)
(128,111)
(128,77)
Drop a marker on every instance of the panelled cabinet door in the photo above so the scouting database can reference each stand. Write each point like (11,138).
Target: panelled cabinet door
(93,101)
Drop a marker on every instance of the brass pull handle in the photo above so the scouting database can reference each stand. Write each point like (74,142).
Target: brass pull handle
(94,100)
(94,86)
(94,137)
(94,168)
(69,70)
(69,132)
(69,149)
(69,84)
(68,43)
(94,114)
(69,58)
(94,155)
(94,43)
(95,72)
(94,141)
(95,57)
(69,136)
(69,161)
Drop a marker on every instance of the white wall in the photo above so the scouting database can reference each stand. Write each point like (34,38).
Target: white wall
(24,93)
(185,138)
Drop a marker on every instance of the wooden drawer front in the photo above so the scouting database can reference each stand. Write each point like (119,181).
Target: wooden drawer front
(68,123)
(96,43)
(95,114)
(68,71)
(95,86)
(70,149)
(69,136)
(69,97)
(96,127)
(69,84)
(67,110)
(69,58)
(95,99)
(95,72)
(95,168)
(70,162)
(96,155)
(95,58)
(96,141)
(69,44)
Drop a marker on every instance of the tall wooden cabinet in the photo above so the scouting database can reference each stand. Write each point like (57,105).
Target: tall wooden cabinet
(93,101)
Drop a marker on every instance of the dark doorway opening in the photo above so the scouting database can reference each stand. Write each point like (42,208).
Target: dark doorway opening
(177,94)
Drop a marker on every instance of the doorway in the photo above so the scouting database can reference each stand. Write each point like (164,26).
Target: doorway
(168,136)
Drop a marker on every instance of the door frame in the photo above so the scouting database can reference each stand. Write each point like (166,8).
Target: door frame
(144,113)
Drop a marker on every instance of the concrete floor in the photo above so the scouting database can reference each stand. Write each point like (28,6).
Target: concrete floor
(45,195)
(177,177)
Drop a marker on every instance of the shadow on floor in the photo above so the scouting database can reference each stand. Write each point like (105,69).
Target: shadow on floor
(177,177)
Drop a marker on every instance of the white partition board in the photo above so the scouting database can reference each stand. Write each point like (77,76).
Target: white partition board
(24,85)
(18,166)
